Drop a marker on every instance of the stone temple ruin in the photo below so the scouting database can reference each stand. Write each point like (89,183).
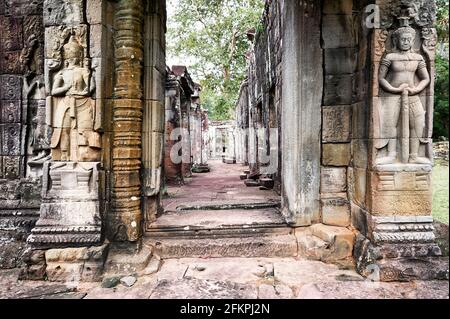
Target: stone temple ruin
(335,115)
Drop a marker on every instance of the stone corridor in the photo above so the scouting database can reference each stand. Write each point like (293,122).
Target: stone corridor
(324,191)
(221,186)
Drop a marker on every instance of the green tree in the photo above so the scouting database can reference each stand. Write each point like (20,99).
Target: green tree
(212,33)
(442,20)
(441,113)
(441,107)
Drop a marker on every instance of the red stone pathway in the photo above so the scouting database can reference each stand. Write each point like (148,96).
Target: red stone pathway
(222,184)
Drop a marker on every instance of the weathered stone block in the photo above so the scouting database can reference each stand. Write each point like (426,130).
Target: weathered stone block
(360,121)
(76,264)
(359,219)
(333,180)
(154,84)
(33,26)
(360,86)
(401,193)
(337,31)
(340,61)
(156,55)
(64,272)
(23,7)
(336,124)
(10,111)
(63,12)
(97,40)
(360,153)
(10,62)
(154,28)
(68,254)
(11,34)
(338,89)
(10,87)
(12,167)
(336,212)
(11,139)
(310,246)
(95,11)
(338,7)
(336,154)
(341,241)
(35,265)
(359,186)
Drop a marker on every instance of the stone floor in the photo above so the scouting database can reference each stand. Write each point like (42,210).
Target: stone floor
(225,278)
(222,185)
(232,278)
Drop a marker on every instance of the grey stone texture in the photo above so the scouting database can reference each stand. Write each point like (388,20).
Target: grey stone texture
(22,132)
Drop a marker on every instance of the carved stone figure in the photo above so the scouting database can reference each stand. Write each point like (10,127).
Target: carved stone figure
(74,113)
(403,76)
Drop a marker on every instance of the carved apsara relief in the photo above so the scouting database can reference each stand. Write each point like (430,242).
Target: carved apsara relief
(404,76)
(72,112)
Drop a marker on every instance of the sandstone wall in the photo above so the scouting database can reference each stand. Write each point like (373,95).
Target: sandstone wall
(24,138)
(258,110)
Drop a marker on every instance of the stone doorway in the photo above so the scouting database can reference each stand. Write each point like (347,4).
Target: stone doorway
(99,183)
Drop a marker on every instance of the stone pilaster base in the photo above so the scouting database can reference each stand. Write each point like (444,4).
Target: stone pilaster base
(400,249)
(70,213)
(76,264)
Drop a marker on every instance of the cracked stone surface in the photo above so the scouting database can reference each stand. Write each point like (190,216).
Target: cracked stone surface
(232,278)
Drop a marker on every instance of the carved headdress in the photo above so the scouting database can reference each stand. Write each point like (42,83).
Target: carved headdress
(73,50)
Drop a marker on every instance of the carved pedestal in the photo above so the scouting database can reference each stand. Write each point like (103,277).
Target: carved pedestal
(401,190)
(71,206)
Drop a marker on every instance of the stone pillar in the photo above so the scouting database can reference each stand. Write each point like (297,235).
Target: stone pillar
(205,138)
(196,135)
(73,181)
(301,116)
(397,241)
(186,140)
(125,218)
(154,107)
(172,149)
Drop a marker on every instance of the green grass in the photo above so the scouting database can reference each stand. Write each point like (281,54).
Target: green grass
(440,192)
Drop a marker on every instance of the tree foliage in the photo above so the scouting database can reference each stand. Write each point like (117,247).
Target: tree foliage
(441,106)
(212,33)
(441,114)
(442,20)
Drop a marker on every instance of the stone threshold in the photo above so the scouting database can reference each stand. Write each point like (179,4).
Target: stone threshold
(226,205)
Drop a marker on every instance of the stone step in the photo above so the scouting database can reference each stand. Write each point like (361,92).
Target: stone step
(251,183)
(255,246)
(262,218)
(268,183)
